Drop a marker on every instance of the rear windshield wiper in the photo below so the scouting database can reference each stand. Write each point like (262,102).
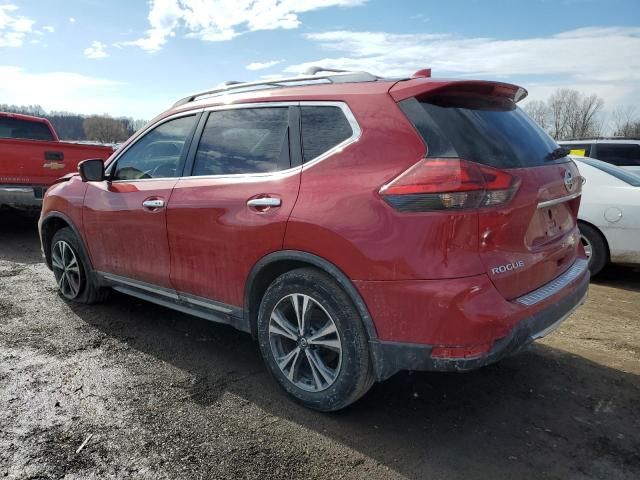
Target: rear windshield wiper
(557,153)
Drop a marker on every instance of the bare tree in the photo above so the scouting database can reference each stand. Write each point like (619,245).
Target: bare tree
(574,115)
(587,120)
(626,122)
(539,111)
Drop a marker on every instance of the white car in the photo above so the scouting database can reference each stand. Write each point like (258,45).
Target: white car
(609,216)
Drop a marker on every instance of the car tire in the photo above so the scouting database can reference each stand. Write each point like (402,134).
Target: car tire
(595,246)
(72,271)
(332,367)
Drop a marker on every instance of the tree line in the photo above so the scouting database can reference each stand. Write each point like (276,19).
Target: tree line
(76,127)
(569,114)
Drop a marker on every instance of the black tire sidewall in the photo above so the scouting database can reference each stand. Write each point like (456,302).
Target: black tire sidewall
(355,360)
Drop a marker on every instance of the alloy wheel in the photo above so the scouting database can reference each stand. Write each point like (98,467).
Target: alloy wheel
(305,342)
(66,269)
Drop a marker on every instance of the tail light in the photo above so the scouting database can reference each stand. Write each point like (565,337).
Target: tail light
(449,183)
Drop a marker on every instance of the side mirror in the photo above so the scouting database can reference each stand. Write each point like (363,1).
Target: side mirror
(91,170)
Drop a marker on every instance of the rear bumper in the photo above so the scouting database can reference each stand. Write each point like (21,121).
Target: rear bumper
(22,196)
(539,319)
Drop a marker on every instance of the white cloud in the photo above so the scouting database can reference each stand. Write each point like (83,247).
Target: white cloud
(72,20)
(64,90)
(13,27)
(263,65)
(49,28)
(219,20)
(96,50)
(600,59)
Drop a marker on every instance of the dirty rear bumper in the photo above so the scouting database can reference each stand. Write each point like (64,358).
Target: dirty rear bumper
(22,196)
(392,357)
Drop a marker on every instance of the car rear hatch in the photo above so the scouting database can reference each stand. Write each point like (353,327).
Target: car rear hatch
(527,229)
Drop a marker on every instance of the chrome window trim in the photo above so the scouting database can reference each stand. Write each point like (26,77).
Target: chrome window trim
(355,136)
(554,286)
(356,133)
(148,128)
(556,201)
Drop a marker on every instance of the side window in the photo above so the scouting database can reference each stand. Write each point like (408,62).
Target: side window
(157,154)
(245,140)
(582,150)
(619,154)
(323,127)
(22,129)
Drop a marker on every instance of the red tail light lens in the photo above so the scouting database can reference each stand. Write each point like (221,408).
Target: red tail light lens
(449,183)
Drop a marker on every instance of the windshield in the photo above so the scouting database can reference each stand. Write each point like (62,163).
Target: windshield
(487,130)
(623,175)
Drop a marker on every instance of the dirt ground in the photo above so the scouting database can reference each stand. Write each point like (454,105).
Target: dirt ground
(159,394)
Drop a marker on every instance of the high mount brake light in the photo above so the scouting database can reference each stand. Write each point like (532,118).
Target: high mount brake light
(449,183)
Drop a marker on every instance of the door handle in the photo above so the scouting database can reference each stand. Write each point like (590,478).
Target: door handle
(153,204)
(264,202)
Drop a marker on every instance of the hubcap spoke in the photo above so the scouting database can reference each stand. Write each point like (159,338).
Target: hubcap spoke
(332,344)
(301,306)
(74,283)
(56,260)
(587,246)
(288,363)
(282,327)
(314,371)
(317,365)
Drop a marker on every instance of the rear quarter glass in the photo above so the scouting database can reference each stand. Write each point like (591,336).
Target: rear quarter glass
(487,130)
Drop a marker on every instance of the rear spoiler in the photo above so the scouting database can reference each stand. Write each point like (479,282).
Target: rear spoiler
(416,87)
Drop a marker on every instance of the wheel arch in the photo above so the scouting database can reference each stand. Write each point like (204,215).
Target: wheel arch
(271,266)
(49,225)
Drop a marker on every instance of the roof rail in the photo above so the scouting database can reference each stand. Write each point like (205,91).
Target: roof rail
(585,139)
(309,77)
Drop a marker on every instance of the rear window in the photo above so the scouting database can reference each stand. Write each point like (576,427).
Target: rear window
(323,127)
(623,155)
(626,176)
(23,129)
(485,130)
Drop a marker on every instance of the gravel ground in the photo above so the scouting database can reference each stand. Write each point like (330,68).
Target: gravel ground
(159,394)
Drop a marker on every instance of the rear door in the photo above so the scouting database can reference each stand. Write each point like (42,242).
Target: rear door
(533,238)
(233,208)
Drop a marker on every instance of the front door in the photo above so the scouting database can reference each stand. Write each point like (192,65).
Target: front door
(125,216)
(234,207)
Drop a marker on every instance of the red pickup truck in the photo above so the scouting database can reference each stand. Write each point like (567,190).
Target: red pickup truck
(32,158)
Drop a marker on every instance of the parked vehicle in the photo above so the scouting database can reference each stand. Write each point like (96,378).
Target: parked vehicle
(356,226)
(32,158)
(619,151)
(609,216)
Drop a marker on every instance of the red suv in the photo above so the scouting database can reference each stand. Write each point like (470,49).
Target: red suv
(356,226)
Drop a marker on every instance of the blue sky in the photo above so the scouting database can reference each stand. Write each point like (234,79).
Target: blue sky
(134,58)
